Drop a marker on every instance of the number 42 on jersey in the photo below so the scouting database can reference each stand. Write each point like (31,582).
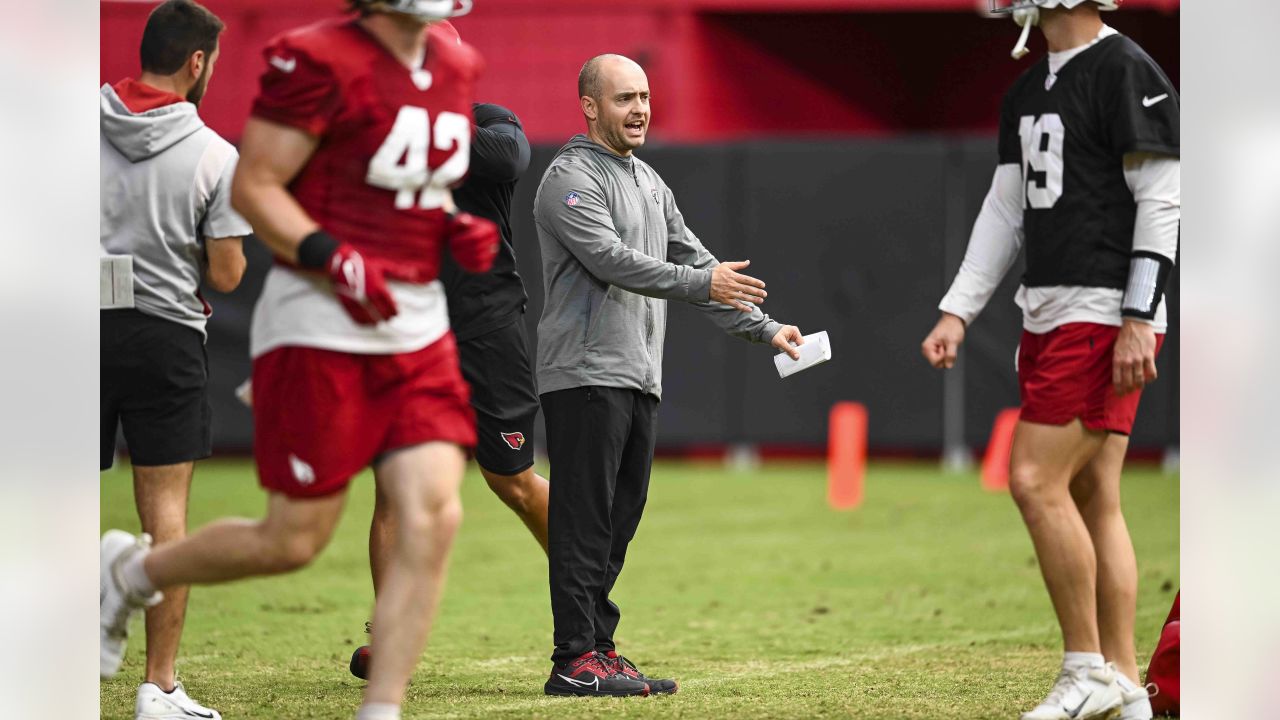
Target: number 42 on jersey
(400,163)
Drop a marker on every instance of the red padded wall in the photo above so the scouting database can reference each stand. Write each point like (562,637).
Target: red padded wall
(719,69)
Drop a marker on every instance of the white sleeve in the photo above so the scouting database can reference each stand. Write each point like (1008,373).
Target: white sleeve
(1156,184)
(220,220)
(993,246)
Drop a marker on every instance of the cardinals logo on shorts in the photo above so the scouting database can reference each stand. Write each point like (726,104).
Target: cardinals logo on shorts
(514,440)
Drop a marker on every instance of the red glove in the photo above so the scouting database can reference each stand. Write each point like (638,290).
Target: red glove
(473,241)
(361,286)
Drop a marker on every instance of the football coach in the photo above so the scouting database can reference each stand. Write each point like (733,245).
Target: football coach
(614,249)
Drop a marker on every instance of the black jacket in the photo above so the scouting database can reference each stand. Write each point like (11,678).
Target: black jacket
(499,156)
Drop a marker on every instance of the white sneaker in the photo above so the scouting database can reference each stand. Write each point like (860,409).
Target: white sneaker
(1137,704)
(116,604)
(156,704)
(1083,694)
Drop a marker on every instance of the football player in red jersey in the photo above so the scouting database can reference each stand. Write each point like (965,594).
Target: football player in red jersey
(360,128)
(1089,181)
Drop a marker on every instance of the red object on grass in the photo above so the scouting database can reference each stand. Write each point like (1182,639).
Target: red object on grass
(995,464)
(1163,670)
(846,455)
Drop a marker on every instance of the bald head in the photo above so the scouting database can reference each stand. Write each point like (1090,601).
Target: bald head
(591,78)
(613,93)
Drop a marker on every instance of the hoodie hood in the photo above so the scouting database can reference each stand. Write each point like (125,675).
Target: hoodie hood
(582,142)
(139,136)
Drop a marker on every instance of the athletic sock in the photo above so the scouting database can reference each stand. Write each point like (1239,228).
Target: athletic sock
(135,576)
(1079,660)
(378,711)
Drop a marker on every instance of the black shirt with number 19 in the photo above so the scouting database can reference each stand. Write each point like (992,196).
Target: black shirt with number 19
(1069,134)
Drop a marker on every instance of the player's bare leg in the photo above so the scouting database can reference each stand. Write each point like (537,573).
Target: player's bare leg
(382,531)
(160,493)
(290,536)
(1096,490)
(526,493)
(1044,460)
(421,487)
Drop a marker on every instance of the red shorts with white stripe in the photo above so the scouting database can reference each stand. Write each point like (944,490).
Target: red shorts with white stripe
(321,416)
(1065,374)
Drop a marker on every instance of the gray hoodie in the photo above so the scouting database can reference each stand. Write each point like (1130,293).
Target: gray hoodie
(614,249)
(166,186)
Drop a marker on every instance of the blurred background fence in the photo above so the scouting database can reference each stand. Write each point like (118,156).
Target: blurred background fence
(844,146)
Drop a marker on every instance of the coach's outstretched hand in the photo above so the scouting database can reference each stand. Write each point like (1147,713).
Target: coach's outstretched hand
(943,343)
(734,289)
(788,339)
(1134,363)
(361,286)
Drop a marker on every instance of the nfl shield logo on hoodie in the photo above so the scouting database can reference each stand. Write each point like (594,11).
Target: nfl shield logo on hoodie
(571,199)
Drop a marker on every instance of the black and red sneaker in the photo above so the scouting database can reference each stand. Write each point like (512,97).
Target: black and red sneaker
(589,676)
(625,668)
(360,658)
(360,662)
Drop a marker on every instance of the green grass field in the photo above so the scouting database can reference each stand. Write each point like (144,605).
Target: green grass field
(925,603)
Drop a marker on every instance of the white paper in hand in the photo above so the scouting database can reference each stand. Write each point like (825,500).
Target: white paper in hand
(815,351)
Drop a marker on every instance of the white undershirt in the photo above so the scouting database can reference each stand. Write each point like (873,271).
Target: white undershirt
(299,309)
(998,235)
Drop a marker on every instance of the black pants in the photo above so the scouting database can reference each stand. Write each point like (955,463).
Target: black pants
(600,442)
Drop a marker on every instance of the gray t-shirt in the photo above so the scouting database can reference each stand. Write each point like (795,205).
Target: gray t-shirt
(166,186)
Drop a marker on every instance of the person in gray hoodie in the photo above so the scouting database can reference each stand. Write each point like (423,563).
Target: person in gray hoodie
(614,249)
(166,226)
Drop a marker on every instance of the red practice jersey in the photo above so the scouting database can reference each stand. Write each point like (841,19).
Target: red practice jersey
(392,140)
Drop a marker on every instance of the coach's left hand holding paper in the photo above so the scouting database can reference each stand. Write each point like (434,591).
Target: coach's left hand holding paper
(788,339)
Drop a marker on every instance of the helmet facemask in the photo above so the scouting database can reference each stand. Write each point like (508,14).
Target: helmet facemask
(1026,13)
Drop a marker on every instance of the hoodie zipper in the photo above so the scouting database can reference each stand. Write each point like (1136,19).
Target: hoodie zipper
(648,302)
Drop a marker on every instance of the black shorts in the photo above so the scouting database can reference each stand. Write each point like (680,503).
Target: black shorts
(154,374)
(504,396)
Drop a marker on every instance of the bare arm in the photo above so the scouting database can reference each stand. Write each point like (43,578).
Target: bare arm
(271,155)
(226,263)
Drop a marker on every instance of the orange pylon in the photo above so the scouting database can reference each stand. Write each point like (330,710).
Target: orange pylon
(846,455)
(995,464)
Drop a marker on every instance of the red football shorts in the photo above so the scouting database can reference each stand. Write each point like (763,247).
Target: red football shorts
(1066,374)
(321,416)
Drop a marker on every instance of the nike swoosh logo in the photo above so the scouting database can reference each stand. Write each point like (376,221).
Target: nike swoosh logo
(1149,101)
(285,66)
(193,713)
(1073,713)
(595,682)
